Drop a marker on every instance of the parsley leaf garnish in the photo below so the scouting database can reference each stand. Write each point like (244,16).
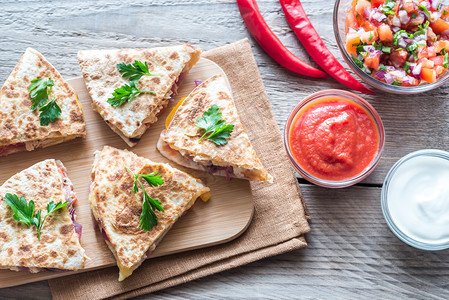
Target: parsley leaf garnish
(39,90)
(126,93)
(25,212)
(216,128)
(148,217)
(134,71)
(49,112)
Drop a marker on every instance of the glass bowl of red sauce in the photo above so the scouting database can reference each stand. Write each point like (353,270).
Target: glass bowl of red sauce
(334,138)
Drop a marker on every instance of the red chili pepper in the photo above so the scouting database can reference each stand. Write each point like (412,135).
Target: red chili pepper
(310,39)
(270,43)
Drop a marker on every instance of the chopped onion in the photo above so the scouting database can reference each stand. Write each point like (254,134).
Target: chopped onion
(398,73)
(389,78)
(367,12)
(402,43)
(369,49)
(417,69)
(377,15)
(435,16)
(396,21)
(380,74)
(198,82)
(395,28)
(403,17)
(426,4)
(435,4)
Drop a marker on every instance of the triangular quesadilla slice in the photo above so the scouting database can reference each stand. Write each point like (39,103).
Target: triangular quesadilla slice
(21,124)
(183,140)
(118,208)
(57,245)
(166,66)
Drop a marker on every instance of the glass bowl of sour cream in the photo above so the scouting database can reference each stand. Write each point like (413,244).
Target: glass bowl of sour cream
(415,199)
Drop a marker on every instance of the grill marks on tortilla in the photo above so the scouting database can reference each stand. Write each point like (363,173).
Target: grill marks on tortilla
(18,124)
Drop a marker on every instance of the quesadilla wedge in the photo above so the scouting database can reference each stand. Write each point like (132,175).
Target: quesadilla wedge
(166,66)
(183,143)
(57,246)
(20,126)
(118,208)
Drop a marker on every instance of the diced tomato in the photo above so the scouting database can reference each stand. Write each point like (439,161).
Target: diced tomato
(410,7)
(439,26)
(372,60)
(361,6)
(385,33)
(429,75)
(423,53)
(429,64)
(440,70)
(351,20)
(352,40)
(398,58)
(369,37)
(437,60)
(367,26)
(377,3)
(440,45)
(431,51)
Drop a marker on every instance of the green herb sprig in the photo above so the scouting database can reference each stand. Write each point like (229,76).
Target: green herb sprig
(148,217)
(25,212)
(49,112)
(215,129)
(126,93)
(134,71)
(39,90)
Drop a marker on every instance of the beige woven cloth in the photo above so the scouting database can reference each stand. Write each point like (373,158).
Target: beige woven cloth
(280,219)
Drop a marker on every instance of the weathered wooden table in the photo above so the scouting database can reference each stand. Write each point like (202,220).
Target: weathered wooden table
(351,253)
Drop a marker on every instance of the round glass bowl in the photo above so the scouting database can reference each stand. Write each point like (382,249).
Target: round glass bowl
(404,222)
(349,97)
(340,12)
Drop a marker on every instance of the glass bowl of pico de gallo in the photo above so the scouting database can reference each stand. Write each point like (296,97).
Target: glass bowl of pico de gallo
(397,46)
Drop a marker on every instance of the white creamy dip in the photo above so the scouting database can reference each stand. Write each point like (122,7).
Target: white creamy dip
(418,198)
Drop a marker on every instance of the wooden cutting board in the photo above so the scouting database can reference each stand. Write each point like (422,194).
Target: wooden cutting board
(223,218)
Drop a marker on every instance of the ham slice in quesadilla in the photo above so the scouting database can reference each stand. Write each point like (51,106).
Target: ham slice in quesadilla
(58,245)
(119,208)
(20,126)
(183,143)
(166,67)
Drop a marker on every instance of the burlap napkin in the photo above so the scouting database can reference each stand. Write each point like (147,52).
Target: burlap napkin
(280,218)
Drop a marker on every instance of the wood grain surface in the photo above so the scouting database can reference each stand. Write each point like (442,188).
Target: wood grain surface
(351,253)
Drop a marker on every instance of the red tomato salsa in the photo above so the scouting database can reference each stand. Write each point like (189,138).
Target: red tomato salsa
(333,138)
